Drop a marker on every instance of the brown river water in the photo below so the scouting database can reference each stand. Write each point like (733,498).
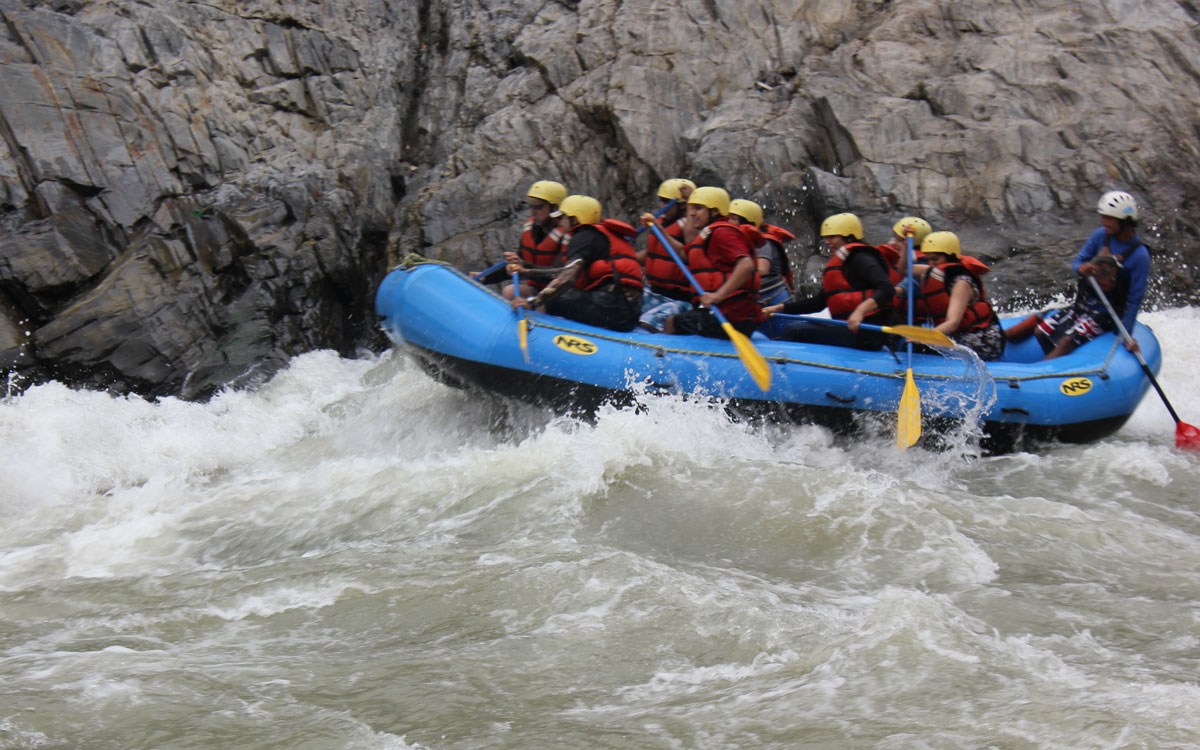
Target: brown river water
(354,556)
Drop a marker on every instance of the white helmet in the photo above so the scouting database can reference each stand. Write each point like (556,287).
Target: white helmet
(1118,204)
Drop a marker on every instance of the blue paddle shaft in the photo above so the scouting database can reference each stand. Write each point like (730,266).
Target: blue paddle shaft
(828,321)
(683,267)
(909,294)
(491,269)
(661,210)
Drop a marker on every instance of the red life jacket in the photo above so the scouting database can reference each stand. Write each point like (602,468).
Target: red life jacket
(662,273)
(891,257)
(977,267)
(545,253)
(621,265)
(840,296)
(781,237)
(708,276)
(973,264)
(779,234)
(933,298)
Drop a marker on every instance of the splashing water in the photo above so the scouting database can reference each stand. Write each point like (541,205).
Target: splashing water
(356,556)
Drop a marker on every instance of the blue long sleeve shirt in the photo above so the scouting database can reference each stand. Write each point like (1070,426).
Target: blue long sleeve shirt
(1135,259)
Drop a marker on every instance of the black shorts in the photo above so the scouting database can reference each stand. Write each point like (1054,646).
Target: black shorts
(606,308)
(700,322)
(831,334)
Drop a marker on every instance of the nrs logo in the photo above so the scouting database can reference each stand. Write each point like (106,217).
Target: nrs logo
(1075,386)
(574,345)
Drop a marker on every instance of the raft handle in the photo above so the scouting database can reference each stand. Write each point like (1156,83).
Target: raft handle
(1014,410)
(839,399)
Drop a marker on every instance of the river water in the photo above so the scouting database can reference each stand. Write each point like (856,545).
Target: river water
(354,556)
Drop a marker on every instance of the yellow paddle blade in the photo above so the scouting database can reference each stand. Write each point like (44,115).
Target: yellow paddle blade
(523,335)
(908,422)
(921,335)
(753,361)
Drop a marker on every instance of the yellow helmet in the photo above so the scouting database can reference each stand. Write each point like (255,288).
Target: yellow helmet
(670,189)
(748,210)
(920,227)
(942,242)
(711,197)
(583,208)
(547,190)
(842,225)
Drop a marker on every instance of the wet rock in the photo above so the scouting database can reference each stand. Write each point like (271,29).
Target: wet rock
(190,194)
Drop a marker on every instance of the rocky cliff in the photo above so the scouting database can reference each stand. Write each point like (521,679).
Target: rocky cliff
(191,193)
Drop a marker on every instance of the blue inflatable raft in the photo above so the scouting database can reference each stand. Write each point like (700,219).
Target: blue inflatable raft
(465,334)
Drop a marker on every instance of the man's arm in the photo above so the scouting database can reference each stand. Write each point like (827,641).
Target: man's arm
(802,304)
(586,245)
(565,278)
(741,273)
(866,269)
(541,272)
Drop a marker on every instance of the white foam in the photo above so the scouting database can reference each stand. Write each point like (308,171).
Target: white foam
(281,599)
(771,574)
(1179,377)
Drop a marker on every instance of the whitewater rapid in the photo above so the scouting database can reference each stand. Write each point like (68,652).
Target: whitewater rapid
(355,556)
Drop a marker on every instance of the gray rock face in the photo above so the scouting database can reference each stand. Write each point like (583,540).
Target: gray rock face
(190,194)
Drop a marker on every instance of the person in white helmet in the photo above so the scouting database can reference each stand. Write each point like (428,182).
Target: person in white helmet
(1117,237)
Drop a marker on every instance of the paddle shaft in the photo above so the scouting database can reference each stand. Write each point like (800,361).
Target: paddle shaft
(909,294)
(661,210)
(908,416)
(751,358)
(490,269)
(522,333)
(1129,340)
(662,238)
(929,336)
(831,322)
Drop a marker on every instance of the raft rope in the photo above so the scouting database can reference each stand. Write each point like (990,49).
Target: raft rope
(416,259)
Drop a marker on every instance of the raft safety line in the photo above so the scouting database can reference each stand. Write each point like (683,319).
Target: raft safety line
(416,259)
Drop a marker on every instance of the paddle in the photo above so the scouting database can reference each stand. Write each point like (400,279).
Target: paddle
(484,273)
(657,214)
(908,417)
(1186,436)
(751,359)
(522,323)
(919,334)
